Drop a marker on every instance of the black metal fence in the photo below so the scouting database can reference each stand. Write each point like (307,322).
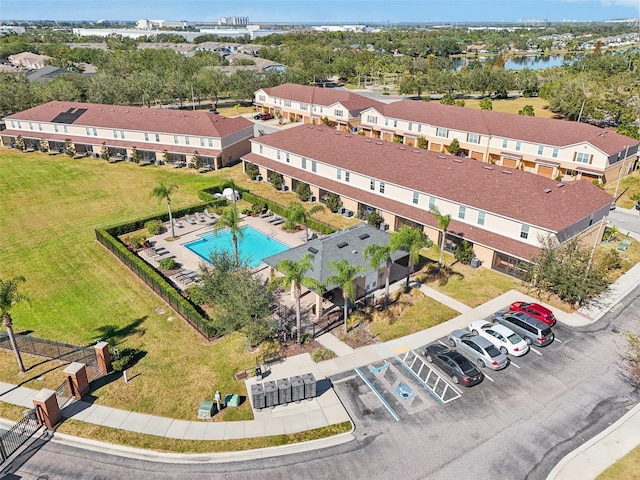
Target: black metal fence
(22,431)
(52,349)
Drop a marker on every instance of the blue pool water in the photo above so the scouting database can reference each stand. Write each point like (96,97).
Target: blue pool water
(252,247)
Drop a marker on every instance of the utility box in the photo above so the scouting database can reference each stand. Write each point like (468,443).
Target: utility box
(257,396)
(475,262)
(284,391)
(270,394)
(297,388)
(205,410)
(309,385)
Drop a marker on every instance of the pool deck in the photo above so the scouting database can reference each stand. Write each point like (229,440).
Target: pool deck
(189,233)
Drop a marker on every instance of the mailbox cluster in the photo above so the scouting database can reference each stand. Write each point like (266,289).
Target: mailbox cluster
(283,391)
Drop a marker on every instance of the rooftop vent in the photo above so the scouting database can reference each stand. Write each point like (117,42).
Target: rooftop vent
(342,244)
(441,157)
(402,148)
(379,143)
(560,185)
(354,251)
(313,250)
(320,129)
(487,167)
(348,135)
(508,172)
(362,236)
(336,133)
(416,150)
(367,140)
(457,160)
(547,190)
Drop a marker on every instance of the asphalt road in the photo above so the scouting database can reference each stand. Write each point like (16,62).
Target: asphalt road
(517,426)
(627,220)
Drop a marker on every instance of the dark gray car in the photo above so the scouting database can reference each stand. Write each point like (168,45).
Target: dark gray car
(479,349)
(531,329)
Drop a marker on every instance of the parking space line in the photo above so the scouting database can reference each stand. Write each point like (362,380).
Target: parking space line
(378,394)
(511,363)
(488,377)
(556,340)
(535,351)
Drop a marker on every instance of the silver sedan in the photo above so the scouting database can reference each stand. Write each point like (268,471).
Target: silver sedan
(479,349)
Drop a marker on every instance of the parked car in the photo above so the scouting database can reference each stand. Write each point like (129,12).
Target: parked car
(502,337)
(263,116)
(531,329)
(479,349)
(461,370)
(638,205)
(535,310)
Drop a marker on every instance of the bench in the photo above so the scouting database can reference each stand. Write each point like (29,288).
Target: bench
(270,358)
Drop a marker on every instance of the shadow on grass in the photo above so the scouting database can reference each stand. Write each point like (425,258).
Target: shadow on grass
(114,335)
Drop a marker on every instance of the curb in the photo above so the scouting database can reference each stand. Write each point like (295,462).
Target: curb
(571,456)
(194,458)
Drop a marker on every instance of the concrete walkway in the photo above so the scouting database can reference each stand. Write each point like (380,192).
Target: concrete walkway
(327,409)
(329,340)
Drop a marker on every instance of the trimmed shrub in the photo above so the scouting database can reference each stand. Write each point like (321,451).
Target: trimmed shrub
(154,227)
(463,252)
(322,353)
(303,191)
(127,358)
(168,264)
(251,170)
(375,219)
(333,202)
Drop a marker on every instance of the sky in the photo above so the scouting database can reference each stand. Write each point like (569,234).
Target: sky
(318,11)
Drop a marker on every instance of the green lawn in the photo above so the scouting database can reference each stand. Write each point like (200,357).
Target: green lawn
(627,468)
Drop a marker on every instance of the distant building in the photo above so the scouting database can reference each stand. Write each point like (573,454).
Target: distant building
(233,21)
(29,60)
(9,29)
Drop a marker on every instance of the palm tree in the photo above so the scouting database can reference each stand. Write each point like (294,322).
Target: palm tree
(294,277)
(9,296)
(410,240)
(162,192)
(343,277)
(296,213)
(231,220)
(443,224)
(377,255)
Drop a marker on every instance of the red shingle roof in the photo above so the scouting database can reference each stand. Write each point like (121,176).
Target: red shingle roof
(179,122)
(323,96)
(511,193)
(544,131)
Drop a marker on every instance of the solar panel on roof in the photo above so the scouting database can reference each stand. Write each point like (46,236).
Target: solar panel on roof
(362,236)
(70,116)
(342,244)
(313,250)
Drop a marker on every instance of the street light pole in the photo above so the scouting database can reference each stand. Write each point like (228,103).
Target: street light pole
(615,194)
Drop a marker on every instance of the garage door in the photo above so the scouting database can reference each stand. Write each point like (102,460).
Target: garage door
(545,171)
(509,162)
(476,155)
(435,147)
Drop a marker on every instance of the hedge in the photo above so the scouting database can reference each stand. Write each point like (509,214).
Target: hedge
(278,209)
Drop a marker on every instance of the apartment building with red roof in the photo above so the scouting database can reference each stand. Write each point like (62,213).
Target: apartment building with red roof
(154,135)
(556,149)
(314,105)
(505,213)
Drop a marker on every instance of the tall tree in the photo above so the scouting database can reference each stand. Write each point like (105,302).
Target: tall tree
(231,220)
(296,213)
(378,255)
(443,224)
(9,296)
(343,277)
(162,192)
(410,240)
(295,278)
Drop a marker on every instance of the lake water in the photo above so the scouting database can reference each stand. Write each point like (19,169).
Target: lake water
(520,62)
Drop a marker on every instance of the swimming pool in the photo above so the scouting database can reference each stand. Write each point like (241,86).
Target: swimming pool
(252,247)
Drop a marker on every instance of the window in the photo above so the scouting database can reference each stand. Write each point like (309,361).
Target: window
(419,128)
(432,203)
(95,132)
(40,126)
(186,140)
(395,123)
(337,113)
(410,125)
(201,141)
(386,122)
(278,154)
(381,187)
(555,153)
(261,98)
(505,143)
(540,149)
(338,173)
(304,163)
(442,132)
(372,184)
(175,139)
(66,130)
(524,231)
(87,131)
(287,103)
(55,128)
(121,133)
(286,157)
(260,148)
(371,119)
(157,137)
(30,126)
(582,157)
(481,216)
(474,138)
(19,125)
(313,165)
(518,145)
(416,197)
(346,177)
(303,106)
(115,133)
(13,124)
(210,142)
(462,211)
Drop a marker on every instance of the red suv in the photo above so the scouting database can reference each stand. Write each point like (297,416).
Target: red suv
(535,310)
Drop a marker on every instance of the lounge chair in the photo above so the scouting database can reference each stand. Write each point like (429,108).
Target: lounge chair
(184,273)
(189,219)
(275,219)
(199,217)
(159,252)
(208,213)
(164,256)
(266,214)
(177,223)
(280,221)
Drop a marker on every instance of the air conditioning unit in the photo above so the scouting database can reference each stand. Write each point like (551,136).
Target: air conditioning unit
(258,178)
(285,188)
(384,226)
(342,210)
(312,198)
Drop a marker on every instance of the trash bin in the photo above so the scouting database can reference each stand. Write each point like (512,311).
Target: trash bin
(284,391)
(270,394)
(297,388)
(475,262)
(309,385)
(257,396)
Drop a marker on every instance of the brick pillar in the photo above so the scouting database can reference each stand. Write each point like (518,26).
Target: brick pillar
(77,381)
(104,357)
(47,409)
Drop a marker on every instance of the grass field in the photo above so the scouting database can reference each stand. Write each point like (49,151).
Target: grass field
(627,468)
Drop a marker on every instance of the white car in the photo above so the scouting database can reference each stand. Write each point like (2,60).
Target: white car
(502,337)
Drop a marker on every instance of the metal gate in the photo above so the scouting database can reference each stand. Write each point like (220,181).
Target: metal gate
(18,434)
